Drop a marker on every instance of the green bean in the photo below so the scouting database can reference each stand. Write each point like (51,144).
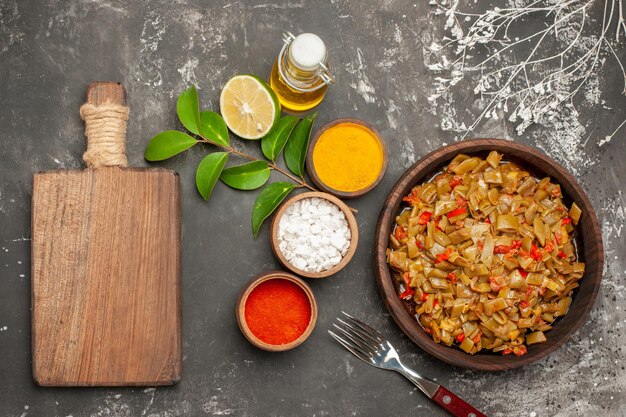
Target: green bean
(466,166)
(494,159)
(574,213)
(501,269)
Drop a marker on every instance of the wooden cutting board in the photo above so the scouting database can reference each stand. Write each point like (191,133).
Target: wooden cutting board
(106,305)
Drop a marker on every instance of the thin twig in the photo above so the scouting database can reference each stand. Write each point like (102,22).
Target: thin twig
(616,130)
(621,24)
(532,100)
(300,181)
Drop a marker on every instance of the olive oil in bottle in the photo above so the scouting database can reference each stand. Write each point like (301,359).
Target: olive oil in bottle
(300,75)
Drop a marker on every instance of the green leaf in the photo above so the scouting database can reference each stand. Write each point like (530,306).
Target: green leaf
(298,144)
(167,144)
(274,142)
(188,111)
(248,176)
(213,128)
(209,171)
(268,199)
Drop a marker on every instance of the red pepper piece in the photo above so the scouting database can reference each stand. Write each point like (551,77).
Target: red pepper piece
(516,244)
(424,297)
(566,220)
(412,198)
(460,337)
(524,304)
(444,256)
(523,273)
(561,254)
(456,180)
(501,249)
(457,211)
(419,244)
(507,351)
(520,350)
(408,292)
(424,217)
(534,252)
(487,220)
(400,233)
(452,278)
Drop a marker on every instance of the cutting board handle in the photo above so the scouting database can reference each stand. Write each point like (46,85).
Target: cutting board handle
(105,114)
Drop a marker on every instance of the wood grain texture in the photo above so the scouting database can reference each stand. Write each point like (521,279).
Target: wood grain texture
(591,252)
(103,92)
(106,296)
(310,167)
(352,224)
(240,312)
(106,277)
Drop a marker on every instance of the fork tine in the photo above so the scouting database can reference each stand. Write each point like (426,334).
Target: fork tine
(362,333)
(365,358)
(364,344)
(370,330)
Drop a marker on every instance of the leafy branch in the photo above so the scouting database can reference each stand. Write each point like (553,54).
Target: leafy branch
(290,136)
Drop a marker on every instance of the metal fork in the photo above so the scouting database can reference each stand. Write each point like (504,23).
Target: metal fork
(371,347)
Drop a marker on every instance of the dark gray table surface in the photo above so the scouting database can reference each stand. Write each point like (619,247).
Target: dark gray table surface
(49,51)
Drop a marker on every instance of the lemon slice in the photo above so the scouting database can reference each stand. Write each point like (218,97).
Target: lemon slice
(249,106)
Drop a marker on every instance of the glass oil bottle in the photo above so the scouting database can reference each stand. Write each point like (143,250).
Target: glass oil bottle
(300,75)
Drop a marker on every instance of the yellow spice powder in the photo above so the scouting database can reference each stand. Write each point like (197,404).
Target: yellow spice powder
(348,157)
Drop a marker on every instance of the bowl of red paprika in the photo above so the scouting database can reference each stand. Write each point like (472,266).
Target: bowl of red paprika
(276,311)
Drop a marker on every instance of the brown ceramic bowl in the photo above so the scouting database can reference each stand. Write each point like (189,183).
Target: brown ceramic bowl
(354,231)
(310,167)
(241,309)
(590,252)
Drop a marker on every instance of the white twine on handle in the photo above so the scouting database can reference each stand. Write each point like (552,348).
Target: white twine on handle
(105,128)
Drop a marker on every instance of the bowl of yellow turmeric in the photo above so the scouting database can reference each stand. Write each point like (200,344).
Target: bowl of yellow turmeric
(346,158)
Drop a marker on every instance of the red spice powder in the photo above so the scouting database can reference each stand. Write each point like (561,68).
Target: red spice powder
(277,311)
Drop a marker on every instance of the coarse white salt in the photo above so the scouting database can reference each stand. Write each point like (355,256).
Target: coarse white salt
(313,234)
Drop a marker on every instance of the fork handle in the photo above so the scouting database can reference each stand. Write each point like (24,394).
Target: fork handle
(453,404)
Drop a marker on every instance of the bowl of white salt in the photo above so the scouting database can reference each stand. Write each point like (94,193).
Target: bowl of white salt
(314,234)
